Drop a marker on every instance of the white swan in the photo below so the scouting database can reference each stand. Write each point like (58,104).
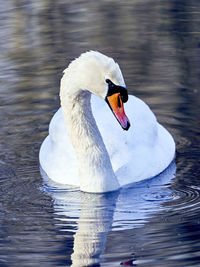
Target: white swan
(96,154)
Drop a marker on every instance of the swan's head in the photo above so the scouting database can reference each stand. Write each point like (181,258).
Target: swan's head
(100,75)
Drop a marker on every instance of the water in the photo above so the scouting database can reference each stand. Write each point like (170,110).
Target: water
(152,223)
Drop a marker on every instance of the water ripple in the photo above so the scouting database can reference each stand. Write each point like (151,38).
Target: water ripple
(166,195)
(188,199)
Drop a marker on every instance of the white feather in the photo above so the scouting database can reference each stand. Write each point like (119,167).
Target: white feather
(87,147)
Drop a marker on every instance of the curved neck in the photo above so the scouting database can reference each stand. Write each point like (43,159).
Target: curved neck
(95,169)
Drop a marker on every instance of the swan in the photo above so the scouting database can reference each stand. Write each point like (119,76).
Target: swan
(86,146)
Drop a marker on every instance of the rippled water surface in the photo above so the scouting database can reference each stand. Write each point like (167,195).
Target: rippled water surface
(152,223)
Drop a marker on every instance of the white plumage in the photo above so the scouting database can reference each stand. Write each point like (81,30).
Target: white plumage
(99,156)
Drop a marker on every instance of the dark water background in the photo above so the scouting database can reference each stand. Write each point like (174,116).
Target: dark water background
(157,44)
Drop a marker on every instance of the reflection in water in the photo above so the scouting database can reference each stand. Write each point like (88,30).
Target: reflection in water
(93,214)
(94,223)
(128,208)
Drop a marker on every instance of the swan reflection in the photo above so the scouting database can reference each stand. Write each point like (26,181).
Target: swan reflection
(92,216)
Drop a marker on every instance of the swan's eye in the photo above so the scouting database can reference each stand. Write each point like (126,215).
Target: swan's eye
(110,84)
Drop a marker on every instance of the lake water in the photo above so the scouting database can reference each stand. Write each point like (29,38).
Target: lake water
(152,223)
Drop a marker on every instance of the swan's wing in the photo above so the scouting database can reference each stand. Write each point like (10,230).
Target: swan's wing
(143,151)
(57,156)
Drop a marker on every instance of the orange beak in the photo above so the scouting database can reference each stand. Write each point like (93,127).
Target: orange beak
(116,105)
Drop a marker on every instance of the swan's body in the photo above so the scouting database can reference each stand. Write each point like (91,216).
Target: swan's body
(99,156)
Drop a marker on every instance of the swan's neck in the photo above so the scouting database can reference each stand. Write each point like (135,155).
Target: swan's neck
(95,169)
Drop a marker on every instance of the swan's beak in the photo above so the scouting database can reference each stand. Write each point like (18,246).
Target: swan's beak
(115,103)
